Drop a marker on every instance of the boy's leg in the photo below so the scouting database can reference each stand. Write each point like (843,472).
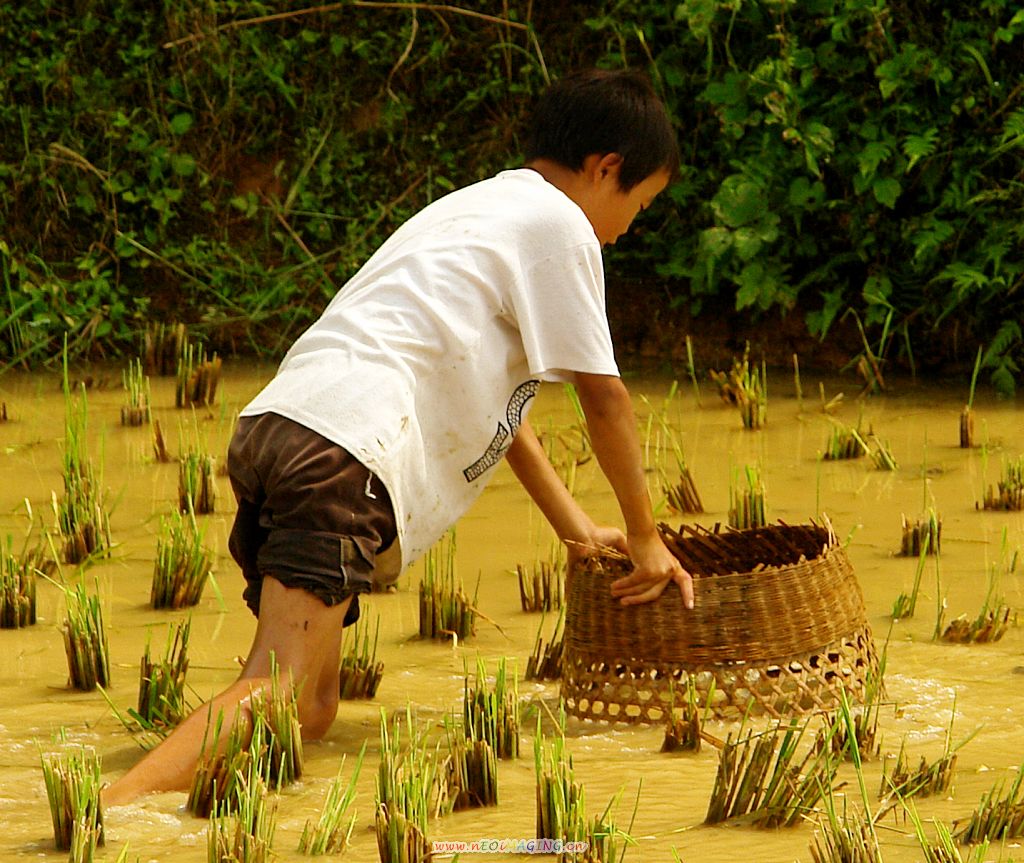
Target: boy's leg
(305,535)
(304,635)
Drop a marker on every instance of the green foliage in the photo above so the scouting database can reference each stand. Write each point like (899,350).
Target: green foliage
(842,154)
(188,160)
(231,165)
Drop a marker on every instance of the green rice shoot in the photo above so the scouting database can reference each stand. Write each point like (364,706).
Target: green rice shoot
(762,778)
(561,800)
(18,579)
(241,829)
(183,563)
(161,703)
(361,671)
(82,520)
(445,610)
(471,768)
(407,792)
(683,726)
(492,714)
(73,782)
(197,492)
(906,603)
(993,618)
(85,639)
(745,387)
(923,535)
(331,832)
(543,588)
(1008,495)
(197,377)
(747,499)
(137,408)
(997,816)
(263,741)
(927,779)
(846,442)
(545,663)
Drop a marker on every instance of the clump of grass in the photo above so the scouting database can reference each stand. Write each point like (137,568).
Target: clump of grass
(747,499)
(999,815)
(989,626)
(137,395)
(857,735)
(846,442)
(947,850)
(545,663)
(682,727)
(161,702)
(330,834)
(925,780)
(183,563)
(844,838)
(760,776)
(604,840)
(82,519)
(924,535)
(162,347)
(471,769)
(967,414)
(18,577)
(746,388)
(217,771)
(994,617)
(882,455)
(543,589)
(361,671)
(906,604)
(1008,495)
(242,828)
(560,798)
(493,714)
(85,640)
(266,741)
(73,783)
(197,377)
(445,610)
(407,793)
(683,497)
(197,492)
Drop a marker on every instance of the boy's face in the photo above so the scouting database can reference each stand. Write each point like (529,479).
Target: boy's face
(611,211)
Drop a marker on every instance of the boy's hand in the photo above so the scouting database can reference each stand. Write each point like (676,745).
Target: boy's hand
(654,566)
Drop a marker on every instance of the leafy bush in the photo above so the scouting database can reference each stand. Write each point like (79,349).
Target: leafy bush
(231,165)
(845,155)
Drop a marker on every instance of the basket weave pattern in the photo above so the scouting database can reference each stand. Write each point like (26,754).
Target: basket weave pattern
(778,628)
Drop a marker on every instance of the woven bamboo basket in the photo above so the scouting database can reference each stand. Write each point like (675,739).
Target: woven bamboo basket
(778,629)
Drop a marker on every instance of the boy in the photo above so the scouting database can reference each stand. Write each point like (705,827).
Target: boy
(388,416)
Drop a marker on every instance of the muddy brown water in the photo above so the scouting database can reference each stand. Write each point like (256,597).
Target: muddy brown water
(924,678)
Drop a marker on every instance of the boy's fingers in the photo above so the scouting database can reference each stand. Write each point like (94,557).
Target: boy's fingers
(685,583)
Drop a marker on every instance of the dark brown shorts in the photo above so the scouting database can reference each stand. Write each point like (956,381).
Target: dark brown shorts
(309,513)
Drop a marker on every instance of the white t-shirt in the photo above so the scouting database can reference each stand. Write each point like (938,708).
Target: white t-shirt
(425,363)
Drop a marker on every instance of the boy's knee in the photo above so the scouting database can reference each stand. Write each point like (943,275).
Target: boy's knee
(316,715)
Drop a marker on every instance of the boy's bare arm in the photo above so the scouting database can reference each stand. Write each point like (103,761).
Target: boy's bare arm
(613,435)
(573,526)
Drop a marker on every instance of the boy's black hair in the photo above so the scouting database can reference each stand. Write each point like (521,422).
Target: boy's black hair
(600,111)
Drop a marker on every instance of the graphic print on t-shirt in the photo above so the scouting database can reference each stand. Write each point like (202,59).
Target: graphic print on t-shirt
(502,439)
